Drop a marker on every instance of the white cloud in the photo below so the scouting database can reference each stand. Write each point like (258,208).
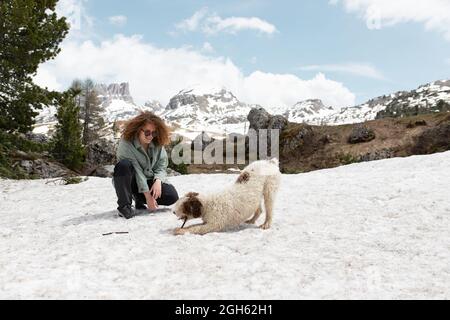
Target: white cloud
(155,73)
(207,47)
(75,12)
(211,23)
(118,20)
(287,89)
(447,61)
(46,78)
(192,23)
(232,25)
(359,69)
(434,14)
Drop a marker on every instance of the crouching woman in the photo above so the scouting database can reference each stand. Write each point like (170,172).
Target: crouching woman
(140,173)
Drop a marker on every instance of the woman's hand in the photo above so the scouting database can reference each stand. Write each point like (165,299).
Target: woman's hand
(156,189)
(151,201)
(151,204)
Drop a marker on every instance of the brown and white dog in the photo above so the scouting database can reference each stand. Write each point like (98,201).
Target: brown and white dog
(241,202)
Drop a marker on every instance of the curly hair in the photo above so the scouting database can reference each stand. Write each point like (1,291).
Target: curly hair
(133,126)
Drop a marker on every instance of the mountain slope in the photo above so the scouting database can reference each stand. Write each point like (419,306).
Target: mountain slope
(116,102)
(207,109)
(311,111)
(426,97)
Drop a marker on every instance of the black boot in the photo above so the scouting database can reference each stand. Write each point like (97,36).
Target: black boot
(138,203)
(126,212)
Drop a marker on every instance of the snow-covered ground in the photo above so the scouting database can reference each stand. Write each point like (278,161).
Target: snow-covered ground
(369,230)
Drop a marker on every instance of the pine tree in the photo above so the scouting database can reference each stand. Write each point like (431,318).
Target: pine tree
(90,110)
(30,34)
(67,145)
(77,88)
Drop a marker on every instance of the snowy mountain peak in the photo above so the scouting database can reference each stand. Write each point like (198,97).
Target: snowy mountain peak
(400,103)
(200,107)
(118,91)
(310,111)
(311,106)
(202,97)
(201,90)
(154,106)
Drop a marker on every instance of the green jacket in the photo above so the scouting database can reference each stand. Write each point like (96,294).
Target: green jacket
(147,165)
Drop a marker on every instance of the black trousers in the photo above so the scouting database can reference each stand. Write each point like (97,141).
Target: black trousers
(124,180)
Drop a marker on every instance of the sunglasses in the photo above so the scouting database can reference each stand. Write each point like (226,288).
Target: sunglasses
(149,133)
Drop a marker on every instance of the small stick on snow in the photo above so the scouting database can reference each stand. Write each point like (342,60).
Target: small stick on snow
(119,232)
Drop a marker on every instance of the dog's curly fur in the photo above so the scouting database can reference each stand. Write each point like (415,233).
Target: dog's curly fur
(239,203)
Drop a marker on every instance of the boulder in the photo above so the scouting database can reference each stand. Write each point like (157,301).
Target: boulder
(258,118)
(433,140)
(44,169)
(304,139)
(103,171)
(101,152)
(377,155)
(361,133)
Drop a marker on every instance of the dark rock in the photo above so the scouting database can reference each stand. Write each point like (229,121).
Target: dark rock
(37,137)
(377,155)
(277,122)
(103,171)
(361,133)
(259,118)
(325,139)
(418,123)
(44,169)
(304,138)
(433,140)
(180,100)
(101,152)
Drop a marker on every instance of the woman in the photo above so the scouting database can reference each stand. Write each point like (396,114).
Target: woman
(140,173)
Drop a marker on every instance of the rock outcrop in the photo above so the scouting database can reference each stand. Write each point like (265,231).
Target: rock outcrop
(120,91)
(361,133)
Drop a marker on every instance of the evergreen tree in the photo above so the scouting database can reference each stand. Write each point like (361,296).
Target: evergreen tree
(77,88)
(30,34)
(67,145)
(90,110)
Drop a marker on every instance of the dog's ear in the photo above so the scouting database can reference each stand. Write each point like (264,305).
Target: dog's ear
(243,177)
(192,206)
(191,194)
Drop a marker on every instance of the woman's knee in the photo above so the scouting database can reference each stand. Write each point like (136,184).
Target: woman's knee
(170,194)
(123,167)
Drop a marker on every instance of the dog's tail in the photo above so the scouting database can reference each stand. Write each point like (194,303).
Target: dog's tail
(274,161)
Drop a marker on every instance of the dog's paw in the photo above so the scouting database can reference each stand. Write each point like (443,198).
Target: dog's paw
(179,231)
(265,226)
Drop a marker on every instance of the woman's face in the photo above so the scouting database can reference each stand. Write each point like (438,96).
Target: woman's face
(147,133)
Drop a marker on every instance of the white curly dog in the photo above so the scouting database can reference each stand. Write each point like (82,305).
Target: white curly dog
(241,202)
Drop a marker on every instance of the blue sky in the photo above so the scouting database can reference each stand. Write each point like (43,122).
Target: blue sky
(397,50)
